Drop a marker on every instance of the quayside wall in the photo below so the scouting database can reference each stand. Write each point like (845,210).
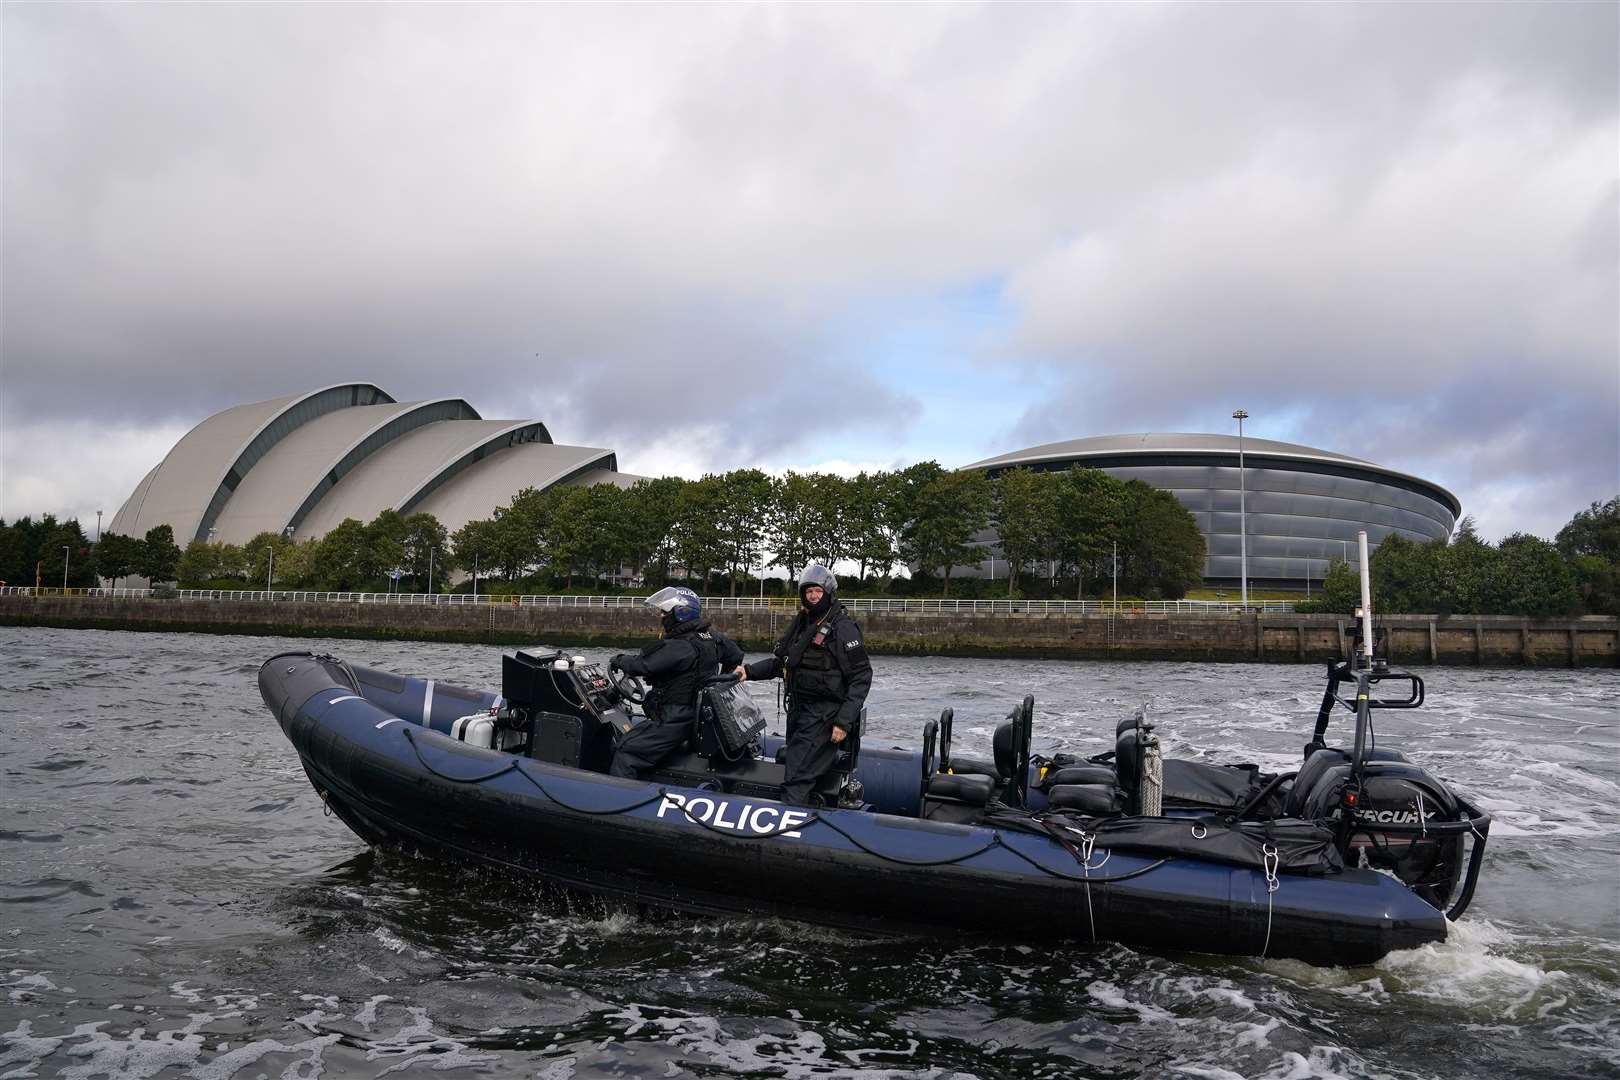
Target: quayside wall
(1591,641)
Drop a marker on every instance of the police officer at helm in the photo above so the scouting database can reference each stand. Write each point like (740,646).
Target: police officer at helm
(675,667)
(827,675)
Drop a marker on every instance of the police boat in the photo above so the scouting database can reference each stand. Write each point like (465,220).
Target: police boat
(1356,853)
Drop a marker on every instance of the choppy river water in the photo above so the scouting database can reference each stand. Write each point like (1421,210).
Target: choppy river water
(174,903)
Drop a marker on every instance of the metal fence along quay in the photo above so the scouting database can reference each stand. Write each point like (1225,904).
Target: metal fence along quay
(712,603)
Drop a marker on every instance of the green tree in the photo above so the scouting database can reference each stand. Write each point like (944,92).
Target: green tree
(651,511)
(1090,520)
(197,566)
(1537,580)
(343,559)
(1598,582)
(1341,591)
(947,514)
(865,515)
(745,496)
(297,565)
(1593,531)
(1410,577)
(117,556)
(160,555)
(264,554)
(792,521)
(1026,518)
(426,547)
(475,545)
(1161,549)
(904,509)
(700,541)
(66,548)
(385,547)
(523,532)
(14,566)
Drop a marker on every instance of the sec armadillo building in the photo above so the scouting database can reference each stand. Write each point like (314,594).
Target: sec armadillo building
(299,465)
(1303,506)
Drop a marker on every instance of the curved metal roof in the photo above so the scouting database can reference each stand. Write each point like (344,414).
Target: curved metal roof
(604,476)
(124,519)
(1172,444)
(413,466)
(291,477)
(477,490)
(193,482)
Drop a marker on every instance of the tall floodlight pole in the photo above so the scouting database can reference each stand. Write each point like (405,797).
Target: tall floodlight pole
(1243,524)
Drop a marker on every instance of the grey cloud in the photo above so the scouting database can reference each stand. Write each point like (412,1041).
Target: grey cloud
(672,207)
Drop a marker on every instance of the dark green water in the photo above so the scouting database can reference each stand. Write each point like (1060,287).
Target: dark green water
(174,903)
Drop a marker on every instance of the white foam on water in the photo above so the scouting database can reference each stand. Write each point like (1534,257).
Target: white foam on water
(563,1069)
(416,1039)
(1106,993)
(1466,970)
(21,1048)
(26,986)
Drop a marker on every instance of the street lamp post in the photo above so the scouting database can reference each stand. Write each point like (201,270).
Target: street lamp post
(66,555)
(98,526)
(431,550)
(475,575)
(1243,524)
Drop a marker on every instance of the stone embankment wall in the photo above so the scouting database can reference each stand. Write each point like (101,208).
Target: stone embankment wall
(1415,639)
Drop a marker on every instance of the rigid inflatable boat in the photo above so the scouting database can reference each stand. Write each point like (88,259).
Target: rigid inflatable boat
(1357,853)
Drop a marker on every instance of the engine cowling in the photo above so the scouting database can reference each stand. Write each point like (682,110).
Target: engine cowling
(1397,800)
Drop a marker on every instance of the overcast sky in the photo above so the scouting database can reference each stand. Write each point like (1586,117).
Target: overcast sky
(841,236)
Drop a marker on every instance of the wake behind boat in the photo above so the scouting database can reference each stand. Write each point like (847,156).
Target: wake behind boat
(1357,853)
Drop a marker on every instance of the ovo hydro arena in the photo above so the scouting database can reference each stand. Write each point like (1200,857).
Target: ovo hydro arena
(1303,506)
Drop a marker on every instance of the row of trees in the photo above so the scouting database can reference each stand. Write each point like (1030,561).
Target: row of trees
(51,552)
(730,524)
(1578,572)
(1059,530)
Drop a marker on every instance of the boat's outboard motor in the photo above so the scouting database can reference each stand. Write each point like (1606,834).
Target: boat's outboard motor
(1393,792)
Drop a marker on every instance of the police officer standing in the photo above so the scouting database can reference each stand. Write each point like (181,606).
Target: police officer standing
(675,666)
(827,675)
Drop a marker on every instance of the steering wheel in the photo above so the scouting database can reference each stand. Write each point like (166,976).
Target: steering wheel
(628,687)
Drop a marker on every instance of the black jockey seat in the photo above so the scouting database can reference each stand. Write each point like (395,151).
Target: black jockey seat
(950,796)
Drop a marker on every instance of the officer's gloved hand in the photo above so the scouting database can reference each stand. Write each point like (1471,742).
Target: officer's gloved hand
(617,663)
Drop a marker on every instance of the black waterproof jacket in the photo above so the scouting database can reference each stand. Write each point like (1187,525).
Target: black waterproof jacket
(676,664)
(822,660)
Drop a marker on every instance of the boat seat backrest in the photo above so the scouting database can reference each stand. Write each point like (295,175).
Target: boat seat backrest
(1128,762)
(1005,744)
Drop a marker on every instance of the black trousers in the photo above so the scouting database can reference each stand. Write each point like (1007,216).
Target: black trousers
(650,743)
(811,753)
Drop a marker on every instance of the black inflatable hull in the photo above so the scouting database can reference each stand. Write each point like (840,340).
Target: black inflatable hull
(398,783)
